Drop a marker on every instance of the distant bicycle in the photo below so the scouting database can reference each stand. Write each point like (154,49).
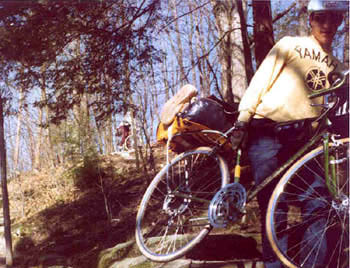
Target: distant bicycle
(129,141)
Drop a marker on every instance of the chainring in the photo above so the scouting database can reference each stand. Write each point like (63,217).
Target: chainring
(227,205)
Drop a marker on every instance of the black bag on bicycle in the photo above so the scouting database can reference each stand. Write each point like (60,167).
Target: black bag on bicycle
(211,112)
(203,114)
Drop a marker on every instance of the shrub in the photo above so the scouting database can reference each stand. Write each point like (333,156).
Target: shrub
(87,173)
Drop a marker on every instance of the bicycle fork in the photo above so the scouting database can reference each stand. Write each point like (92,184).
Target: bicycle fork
(331,163)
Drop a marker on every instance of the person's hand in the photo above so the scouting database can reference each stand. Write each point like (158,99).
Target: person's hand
(239,133)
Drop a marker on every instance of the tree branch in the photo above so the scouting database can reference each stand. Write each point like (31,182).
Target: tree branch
(280,15)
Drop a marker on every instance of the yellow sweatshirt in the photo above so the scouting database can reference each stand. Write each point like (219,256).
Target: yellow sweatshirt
(294,68)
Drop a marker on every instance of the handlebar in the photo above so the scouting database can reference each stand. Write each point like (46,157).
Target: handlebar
(338,83)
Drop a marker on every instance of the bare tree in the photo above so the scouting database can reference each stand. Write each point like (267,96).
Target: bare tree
(5,198)
(18,130)
(228,21)
(201,49)
(31,137)
(302,29)
(178,51)
(39,139)
(263,30)
(191,42)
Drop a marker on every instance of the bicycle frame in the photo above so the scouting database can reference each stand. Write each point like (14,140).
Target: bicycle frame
(321,134)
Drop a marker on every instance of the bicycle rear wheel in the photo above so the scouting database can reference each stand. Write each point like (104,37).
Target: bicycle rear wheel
(173,214)
(308,218)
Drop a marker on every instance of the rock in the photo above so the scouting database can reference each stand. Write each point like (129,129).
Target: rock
(215,251)
(225,247)
(129,262)
(109,256)
(227,264)
(177,264)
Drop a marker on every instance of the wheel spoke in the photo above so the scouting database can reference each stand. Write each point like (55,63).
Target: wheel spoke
(175,205)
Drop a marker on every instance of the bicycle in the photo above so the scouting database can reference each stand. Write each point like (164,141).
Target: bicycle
(128,144)
(192,195)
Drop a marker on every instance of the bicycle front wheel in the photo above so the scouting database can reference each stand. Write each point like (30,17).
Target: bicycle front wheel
(173,214)
(308,216)
(128,143)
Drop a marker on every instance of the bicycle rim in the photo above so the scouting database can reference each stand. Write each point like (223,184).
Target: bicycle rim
(308,218)
(173,214)
(128,143)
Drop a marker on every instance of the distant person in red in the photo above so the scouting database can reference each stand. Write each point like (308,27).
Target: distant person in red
(124,131)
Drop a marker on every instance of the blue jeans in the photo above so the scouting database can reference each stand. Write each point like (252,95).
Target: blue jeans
(263,154)
(266,152)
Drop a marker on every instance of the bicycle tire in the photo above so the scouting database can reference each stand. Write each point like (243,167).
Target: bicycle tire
(307,221)
(169,225)
(129,139)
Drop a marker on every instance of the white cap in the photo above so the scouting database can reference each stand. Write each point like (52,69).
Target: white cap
(327,5)
(124,123)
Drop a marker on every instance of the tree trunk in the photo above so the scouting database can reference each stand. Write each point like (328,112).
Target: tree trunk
(5,199)
(202,59)
(109,131)
(245,40)
(231,52)
(37,158)
(191,45)
(81,110)
(39,139)
(165,78)
(154,107)
(303,28)
(31,138)
(101,131)
(263,30)
(50,148)
(178,48)
(109,148)
(18,131)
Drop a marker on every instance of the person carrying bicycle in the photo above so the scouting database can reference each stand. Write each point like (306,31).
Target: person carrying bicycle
(123,131)
(278,92)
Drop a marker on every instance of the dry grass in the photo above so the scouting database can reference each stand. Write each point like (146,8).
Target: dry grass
(35,191)
(73,212)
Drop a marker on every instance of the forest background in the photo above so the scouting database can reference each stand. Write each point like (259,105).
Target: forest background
(71,70)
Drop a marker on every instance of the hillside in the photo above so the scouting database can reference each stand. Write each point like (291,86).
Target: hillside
(74,215)
(67,215)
